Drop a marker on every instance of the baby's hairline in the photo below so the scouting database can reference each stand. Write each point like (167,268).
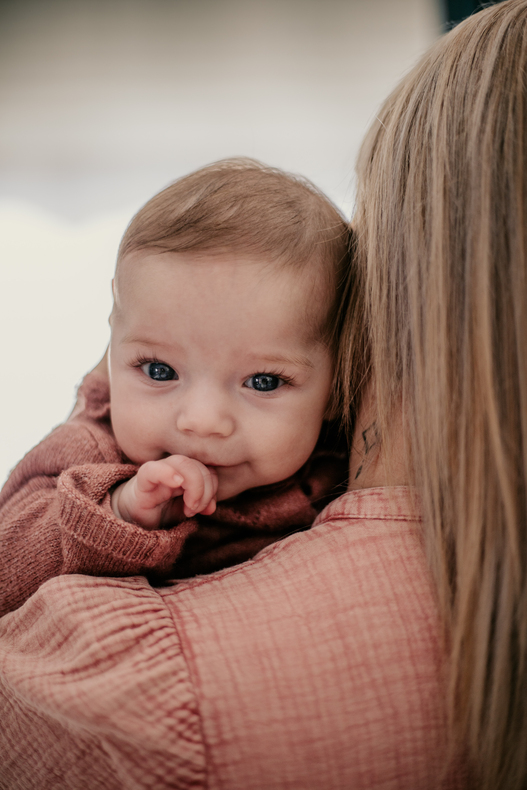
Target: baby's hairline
(236,253)
(320,326)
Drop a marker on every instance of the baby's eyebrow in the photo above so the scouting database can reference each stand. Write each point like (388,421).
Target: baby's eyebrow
(141,340)
(300,360)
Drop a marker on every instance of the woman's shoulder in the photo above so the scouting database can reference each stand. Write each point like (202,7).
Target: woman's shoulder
(384,503)
(324,651)
(361,540)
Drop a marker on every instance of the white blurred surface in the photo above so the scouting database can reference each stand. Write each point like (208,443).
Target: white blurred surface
(103,103)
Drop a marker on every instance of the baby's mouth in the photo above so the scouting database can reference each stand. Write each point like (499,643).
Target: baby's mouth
(213,464)
(202,460)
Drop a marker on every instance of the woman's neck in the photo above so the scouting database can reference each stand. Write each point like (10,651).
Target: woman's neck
(375,463)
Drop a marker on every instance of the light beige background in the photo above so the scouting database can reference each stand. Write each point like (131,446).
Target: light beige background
(103,102)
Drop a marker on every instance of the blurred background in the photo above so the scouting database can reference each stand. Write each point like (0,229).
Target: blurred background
(103,102)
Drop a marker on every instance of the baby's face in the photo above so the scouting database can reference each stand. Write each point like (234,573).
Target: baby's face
(216,359)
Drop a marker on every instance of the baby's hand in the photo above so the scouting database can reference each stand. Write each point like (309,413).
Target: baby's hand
(151,498)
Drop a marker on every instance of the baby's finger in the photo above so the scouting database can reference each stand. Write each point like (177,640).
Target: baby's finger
(210,509)
(192,480)
(207,502)
(199,484)
(158,480)
(211,488)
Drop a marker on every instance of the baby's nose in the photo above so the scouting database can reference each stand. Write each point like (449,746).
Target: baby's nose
(205,416)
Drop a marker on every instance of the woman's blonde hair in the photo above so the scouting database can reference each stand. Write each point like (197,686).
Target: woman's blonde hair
(441,224)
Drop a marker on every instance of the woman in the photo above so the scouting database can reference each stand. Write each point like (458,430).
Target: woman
(442,227)
(320,663)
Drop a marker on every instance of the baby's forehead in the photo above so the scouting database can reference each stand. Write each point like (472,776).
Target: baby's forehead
(275,273)
(302,288)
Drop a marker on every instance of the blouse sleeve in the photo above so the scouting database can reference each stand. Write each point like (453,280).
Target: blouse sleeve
(95,691)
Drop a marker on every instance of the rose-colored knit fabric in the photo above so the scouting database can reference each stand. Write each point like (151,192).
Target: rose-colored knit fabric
(56,517)
(314,666)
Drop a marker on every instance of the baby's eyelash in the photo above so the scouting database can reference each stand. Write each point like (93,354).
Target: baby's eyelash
(279,374)
(138,362)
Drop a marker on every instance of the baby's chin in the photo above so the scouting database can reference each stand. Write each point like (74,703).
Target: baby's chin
(233,481)
(231,485)
(230,489)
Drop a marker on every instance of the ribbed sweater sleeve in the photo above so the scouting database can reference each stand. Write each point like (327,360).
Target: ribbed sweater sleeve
(56,517)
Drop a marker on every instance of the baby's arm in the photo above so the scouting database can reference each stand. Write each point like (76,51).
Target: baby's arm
(166,491)
(56,517)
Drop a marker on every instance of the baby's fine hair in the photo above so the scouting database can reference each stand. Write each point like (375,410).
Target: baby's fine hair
(243,207)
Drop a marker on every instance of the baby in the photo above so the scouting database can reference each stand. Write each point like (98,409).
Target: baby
(221,365)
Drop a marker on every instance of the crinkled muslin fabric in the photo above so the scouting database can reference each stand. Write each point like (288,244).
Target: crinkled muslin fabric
(315,665)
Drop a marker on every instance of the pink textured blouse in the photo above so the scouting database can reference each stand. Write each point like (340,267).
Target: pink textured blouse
(316,665)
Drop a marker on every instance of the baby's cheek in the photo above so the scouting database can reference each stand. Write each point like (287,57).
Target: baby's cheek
(278,465)
(127,433)
(294,452)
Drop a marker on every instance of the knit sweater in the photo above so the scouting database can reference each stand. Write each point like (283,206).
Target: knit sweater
(56,516)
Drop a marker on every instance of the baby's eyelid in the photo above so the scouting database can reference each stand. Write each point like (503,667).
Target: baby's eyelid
(281,380)
(146,365)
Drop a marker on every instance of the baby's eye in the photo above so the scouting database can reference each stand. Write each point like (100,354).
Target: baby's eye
(159,371)
(264,382)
